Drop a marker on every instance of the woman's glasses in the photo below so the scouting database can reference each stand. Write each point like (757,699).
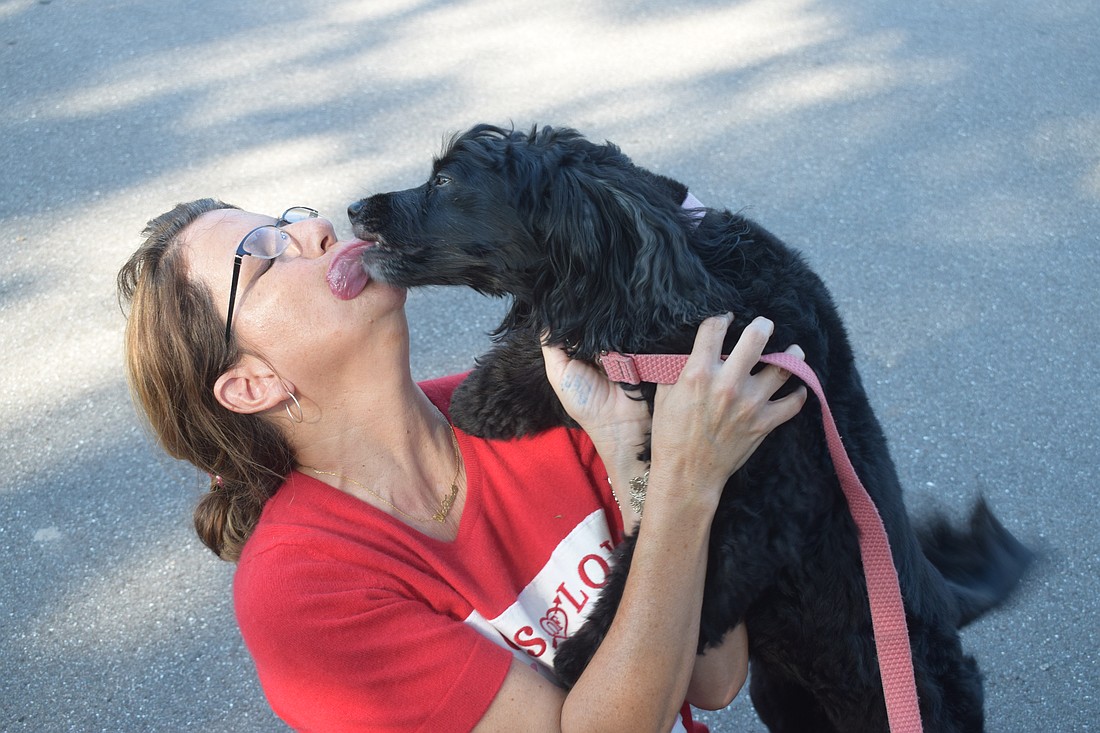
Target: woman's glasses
(266,242)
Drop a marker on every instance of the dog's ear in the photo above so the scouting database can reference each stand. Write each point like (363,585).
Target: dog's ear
(619,243)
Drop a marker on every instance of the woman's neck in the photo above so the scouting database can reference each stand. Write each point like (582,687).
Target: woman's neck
(387,444)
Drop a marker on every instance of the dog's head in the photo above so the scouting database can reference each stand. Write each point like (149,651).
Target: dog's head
(458,228)
(589,245)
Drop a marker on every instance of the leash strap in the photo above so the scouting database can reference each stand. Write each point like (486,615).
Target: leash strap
(895,658)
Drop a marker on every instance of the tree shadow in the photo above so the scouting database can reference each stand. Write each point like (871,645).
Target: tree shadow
(948,196)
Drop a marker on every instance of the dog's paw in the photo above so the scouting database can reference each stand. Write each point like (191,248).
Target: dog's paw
(483,421)
(493,411)
(571,658)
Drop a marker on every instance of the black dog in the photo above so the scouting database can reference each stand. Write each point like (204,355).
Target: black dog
(599,253)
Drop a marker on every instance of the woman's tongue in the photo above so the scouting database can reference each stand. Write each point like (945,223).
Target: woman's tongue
(346,275)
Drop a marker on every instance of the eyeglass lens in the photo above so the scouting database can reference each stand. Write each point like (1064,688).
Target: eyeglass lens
(266,242)
(269,242)
(297,213)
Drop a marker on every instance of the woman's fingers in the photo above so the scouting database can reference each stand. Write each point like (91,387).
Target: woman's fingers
(746,352)
(779,411)
(786,407)
(773,377)
(708,342)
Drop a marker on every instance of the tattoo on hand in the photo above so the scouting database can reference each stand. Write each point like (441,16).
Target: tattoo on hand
(581,389)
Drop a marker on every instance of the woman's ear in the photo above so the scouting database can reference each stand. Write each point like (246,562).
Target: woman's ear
(251,386)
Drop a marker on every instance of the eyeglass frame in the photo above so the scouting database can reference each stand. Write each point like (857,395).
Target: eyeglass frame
(238,258)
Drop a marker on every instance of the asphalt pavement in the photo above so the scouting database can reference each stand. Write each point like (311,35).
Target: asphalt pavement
(938,163)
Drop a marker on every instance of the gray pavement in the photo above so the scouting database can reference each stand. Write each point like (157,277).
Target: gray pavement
(938,163)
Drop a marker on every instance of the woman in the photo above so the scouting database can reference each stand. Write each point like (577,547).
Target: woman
(394,573)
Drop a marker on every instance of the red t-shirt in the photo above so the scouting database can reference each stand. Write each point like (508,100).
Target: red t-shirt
(357,622)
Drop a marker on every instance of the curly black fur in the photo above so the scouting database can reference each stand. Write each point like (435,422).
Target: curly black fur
(598,253)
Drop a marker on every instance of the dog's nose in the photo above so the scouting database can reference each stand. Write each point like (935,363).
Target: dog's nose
(355,208)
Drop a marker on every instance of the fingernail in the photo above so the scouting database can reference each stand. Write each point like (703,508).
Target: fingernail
(721,320)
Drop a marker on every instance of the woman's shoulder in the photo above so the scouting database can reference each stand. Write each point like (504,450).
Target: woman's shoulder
(305,527)
(314,544)
(310,519)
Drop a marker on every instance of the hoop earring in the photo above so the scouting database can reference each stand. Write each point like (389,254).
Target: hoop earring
(300,417)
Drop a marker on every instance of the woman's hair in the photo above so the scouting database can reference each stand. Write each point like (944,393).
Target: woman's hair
(175,351)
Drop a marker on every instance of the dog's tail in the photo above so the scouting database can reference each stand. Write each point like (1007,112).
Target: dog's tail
(981,564)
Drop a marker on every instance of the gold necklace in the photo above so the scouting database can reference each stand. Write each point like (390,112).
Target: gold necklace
(446,501)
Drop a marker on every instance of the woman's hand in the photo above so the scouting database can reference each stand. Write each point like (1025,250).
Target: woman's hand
(708,424)
(617,422)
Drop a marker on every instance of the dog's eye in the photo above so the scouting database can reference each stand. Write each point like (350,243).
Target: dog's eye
(440,180)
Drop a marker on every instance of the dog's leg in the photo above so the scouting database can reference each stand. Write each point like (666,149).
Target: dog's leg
(783,705)
(949,684)
(507,395)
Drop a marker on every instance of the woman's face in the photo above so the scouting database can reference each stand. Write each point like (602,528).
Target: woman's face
(285,308)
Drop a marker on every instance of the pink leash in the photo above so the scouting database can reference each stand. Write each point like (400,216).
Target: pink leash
(895,659)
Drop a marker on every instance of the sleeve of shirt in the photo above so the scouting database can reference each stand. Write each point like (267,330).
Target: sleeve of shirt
(336,652)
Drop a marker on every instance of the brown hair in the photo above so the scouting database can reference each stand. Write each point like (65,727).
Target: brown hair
(175,351)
